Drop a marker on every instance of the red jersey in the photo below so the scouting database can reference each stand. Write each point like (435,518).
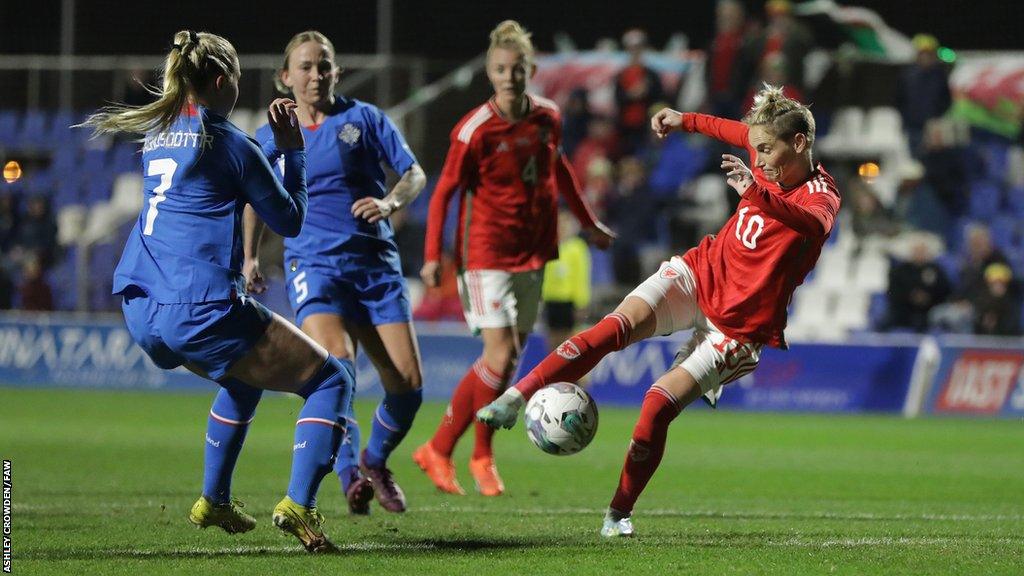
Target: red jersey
(746,274)
(507,173)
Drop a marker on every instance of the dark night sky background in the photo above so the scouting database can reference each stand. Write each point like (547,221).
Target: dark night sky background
(449,29)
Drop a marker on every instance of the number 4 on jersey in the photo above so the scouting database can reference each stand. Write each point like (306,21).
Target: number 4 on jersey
(530,171)
(164,168)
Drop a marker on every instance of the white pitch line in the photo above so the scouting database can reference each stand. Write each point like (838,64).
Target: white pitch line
(658,512)
(885,541)
(739,514)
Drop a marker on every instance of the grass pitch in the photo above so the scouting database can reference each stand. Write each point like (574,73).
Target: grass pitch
(102,483)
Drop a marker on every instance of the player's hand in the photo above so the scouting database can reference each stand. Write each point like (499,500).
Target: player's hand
(285,124)
(737,174)
(665,121)
(254,282)
(431,274)
(600,235)
(371,209)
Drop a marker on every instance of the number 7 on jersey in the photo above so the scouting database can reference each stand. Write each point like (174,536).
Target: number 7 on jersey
(164,168)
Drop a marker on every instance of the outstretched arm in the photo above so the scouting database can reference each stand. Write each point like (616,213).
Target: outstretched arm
(729,131)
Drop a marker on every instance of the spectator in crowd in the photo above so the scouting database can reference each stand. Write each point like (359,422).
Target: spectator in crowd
(35,292)
(915,287)
(598,183)
(720,70)
(945,168)
(442,302)
(782,35)
(8,220)
(633,217)
(996,308)
(6,288)
(37,232)
(923,90)
(868,216)
(601,140)
(773,70)
(917,204)
(979,254)
(576,117)
(637,89)
(566,291)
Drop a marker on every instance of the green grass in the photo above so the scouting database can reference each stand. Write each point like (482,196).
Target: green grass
(103,483)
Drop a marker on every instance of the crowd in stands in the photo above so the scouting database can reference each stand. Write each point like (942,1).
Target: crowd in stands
(956,213)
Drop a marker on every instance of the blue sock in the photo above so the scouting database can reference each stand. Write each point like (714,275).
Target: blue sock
(320,428)
(230,415)
(347,464)
(391,421)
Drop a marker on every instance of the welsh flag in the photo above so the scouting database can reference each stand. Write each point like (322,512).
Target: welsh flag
(861,27)
(988,90)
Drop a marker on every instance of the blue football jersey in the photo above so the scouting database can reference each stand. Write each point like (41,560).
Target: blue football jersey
(187,245)
(344,155)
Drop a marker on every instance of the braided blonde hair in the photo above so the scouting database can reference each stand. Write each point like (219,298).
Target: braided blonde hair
(195,60)
(512,36)
(782,116)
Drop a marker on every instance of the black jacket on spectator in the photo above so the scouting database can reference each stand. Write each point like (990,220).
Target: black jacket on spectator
(913,290)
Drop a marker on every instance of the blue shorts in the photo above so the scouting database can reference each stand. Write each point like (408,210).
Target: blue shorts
(209,335)
(366,295)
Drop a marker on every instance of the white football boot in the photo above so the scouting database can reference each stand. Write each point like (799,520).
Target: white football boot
(616,525)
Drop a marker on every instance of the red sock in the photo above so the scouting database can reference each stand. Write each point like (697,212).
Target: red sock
(646,448)
(489,386)
(459,414)
(579,354)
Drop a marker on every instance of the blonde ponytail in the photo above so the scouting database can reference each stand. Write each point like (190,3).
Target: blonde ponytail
(195,60)
(782,115)
(512,36)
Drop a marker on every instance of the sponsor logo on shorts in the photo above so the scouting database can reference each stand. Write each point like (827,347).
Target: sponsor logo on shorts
(669,273)
(568,350)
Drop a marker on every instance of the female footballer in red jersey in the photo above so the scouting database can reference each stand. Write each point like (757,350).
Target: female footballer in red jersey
(506,161)
(732,289)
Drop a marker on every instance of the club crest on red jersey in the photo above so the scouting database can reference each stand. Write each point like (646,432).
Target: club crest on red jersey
(568,350)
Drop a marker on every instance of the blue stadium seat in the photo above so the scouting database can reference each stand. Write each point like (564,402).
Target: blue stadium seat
(9,120)
(986,199)
(1005,232)
(601,271)
(1015,200)
(878,310)
(33,133)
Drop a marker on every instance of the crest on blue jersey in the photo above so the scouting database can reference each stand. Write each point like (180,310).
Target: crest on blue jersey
(349,134)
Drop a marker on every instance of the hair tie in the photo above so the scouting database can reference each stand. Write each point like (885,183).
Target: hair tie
(193,39)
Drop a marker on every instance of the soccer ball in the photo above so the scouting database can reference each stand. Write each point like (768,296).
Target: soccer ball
(554,406)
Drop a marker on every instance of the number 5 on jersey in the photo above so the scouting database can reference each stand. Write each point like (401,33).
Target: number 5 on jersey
(164,168)
(301,287)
